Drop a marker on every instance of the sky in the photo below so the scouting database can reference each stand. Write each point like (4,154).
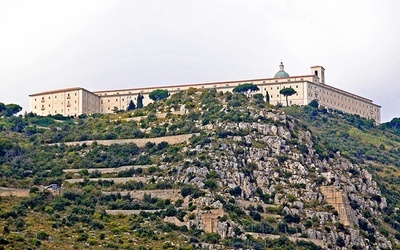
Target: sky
(104,44)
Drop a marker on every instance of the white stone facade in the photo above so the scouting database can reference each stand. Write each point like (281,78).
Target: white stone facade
(76,101)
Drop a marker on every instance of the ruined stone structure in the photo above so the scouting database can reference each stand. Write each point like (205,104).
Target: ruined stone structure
(76,101)
(339,201)
(209,219)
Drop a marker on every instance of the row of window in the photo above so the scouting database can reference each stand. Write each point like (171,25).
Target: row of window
(123,99)
(55,97)
(297,86)
(56,112)
(354,102)
(278,95)
(344,106)
(361,104)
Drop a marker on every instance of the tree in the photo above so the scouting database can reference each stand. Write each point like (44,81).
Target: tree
(287,92)
(158,94)
(259,97)
(267,97)
(140,101)
(131,106)
(246,89)
(9,109)
(2,107)
(314,103)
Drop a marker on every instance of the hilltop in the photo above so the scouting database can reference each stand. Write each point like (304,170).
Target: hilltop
(201,170)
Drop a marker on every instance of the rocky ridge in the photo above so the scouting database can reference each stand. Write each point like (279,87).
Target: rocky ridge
(273,161)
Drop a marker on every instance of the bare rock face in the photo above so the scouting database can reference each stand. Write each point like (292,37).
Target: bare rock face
(264,163)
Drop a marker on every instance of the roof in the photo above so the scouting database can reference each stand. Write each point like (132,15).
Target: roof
(59,91)
(281,74)
(195,84)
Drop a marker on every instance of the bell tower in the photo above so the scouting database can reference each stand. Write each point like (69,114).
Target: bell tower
(320,72)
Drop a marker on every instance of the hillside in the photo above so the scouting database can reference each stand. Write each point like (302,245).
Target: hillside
(200,170)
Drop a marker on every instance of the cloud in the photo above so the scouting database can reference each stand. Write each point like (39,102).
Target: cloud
(123,44)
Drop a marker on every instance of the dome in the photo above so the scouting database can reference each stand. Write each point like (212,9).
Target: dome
(281,73)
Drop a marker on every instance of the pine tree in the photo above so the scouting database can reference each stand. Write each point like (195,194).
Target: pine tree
(287,92)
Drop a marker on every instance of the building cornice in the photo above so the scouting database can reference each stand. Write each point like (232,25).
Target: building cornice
(59,91)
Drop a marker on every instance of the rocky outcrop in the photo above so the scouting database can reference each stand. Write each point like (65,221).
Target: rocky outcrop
(265,158)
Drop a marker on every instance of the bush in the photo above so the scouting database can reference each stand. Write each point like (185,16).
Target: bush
(211,184)
(255,215)
(236,191)
(42,235)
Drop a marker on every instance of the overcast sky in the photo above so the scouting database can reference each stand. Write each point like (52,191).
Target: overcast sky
(100,45)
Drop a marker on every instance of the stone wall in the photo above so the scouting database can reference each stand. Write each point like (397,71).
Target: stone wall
(291,238)
(16,192)
(115,180)
(158,115)
(172,194)
(339,201)
(176,221)
(107,170)
(129,212)
(141,142)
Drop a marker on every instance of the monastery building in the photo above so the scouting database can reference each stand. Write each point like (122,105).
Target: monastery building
(76,101)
